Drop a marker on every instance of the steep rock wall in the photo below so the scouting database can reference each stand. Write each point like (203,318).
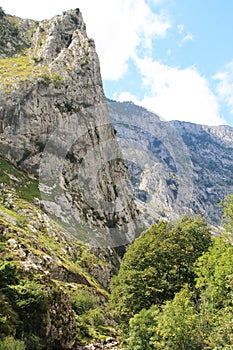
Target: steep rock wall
(176,167)
(54,124)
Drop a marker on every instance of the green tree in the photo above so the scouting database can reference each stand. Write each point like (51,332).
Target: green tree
(214,271)
(8,317)
(227,217)
(158,264)
(142,329)
(7,273)
(174,327)
(178,324)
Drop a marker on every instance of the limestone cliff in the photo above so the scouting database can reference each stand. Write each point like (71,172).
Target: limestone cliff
(176,167)
(54,124)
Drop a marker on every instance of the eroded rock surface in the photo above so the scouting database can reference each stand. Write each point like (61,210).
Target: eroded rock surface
(176,167)
(54,124)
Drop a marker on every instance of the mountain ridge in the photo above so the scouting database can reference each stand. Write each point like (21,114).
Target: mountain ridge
(195,162)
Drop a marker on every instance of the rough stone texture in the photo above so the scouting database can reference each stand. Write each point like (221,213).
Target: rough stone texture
(176,167)
(15,34)
(55,125)
(60,323)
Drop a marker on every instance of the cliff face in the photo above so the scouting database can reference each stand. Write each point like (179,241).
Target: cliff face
(54,124)
(62,183)
(175,167)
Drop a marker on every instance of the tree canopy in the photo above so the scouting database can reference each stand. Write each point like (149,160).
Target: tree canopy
(200,314)
(227,217)
(158,264)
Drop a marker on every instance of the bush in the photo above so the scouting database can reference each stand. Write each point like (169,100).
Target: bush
(10,343)
(22,222)
(174,327)
(82,301)
(33,343)
(7,273)
(8,317)
(56,79)
(30,301)
(141,329)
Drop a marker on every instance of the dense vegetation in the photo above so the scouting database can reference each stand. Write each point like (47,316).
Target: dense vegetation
(158,264)
(175,287)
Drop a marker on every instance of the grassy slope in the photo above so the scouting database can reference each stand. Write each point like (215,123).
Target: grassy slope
(41,250)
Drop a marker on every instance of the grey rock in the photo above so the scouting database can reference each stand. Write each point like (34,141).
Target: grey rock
(176,167)
(15,34)
(54,124)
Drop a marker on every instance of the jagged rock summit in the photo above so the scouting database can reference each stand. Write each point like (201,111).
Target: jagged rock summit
(54,124)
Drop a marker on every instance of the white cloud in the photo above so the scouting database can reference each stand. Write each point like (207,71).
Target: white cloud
(126,96)
(225,85)
(37,10)
(181,94)
(123,26)
(187,37)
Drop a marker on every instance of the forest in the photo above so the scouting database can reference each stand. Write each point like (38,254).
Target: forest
(174,289)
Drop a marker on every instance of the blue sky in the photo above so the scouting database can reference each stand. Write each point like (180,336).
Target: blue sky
(174,57)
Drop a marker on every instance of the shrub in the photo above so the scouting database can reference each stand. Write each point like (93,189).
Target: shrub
(10,343)
(7,273)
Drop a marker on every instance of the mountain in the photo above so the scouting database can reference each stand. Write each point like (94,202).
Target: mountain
(67,206)
(54,125)
(66,202)
(176,167)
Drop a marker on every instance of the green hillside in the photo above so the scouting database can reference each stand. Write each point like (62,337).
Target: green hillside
(48,295)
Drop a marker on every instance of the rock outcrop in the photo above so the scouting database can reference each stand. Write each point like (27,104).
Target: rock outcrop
(54,288)
(15,34)
(54,124)
(176,167)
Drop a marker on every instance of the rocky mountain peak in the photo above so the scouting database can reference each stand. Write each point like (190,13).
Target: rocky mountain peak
(54,124)
(53,37)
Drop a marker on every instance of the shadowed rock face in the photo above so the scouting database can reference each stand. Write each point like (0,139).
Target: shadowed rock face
(54,124)
(175,167)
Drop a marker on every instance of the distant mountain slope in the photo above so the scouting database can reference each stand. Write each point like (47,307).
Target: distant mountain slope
(176,167)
